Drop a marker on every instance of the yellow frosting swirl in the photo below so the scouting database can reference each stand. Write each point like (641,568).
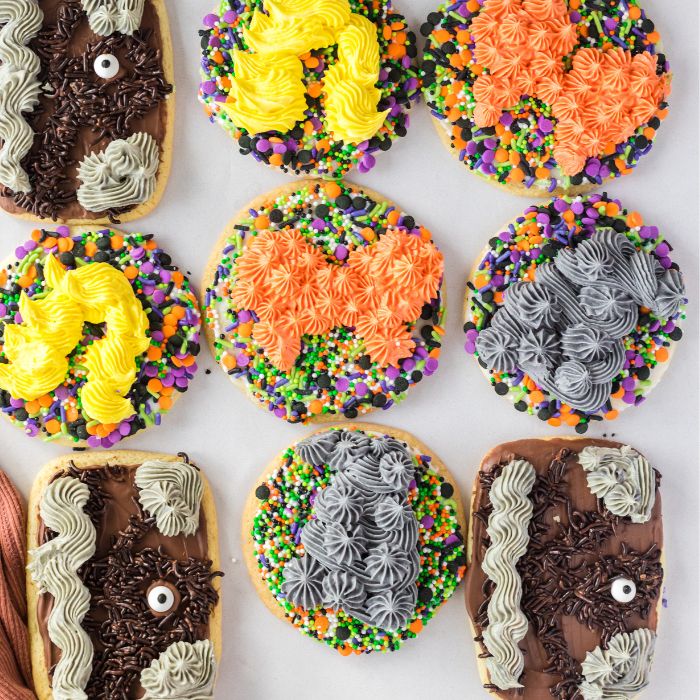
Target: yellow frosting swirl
(267,93)
(52,326)
(267,90)
(293,27)
(351,95)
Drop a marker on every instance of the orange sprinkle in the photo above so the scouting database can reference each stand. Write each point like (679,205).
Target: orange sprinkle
(32,407)
(315,407)
(262,222)
(416,626)
(556,422)
(178,278)
(611,415)
(52,426)
(322,624)
(536,396)
(661,354)
(345,650)
(333,190)
(154,353)
(165,402)
(634,219)
(634,11)
(314,89)
(155,386)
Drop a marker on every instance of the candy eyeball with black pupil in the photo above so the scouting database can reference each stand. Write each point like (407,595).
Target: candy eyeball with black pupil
(623,590)
(106,66)
(161,599)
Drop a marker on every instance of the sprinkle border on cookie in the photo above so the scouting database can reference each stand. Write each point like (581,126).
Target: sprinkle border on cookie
(286,505)
(545,96)
(333,372)
(535,238)
(307,146)
(172,316)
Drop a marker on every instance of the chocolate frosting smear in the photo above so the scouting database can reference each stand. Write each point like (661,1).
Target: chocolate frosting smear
(576,549)
(132,557)
(81,113)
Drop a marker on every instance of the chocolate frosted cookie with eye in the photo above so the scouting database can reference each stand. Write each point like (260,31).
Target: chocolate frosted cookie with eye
(123,581)
(99,334)
(312,87)
(86,118)
(355,535)
(574,310)
(565,580)
(324,300)
(545,96)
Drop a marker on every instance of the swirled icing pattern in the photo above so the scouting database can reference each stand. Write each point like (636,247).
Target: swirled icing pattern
(352,97)
(171,492)
(51,327)
(267,90)
(54,569)
(19,87)
(183,671)
(109,16)
(360,549)
(122,175)
(508,533)
(565,329)
(622,479)
(620,671)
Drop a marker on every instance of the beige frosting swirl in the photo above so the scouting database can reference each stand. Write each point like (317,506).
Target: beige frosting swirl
(182,672)
(54,569)
(171,492)
(19,87)
(507,529)
(109,16)
(122,175)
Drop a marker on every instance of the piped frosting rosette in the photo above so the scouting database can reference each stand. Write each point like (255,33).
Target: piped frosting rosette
(99,334)
(574,310)
(545,96)
(311,87)
(356,537)
(324,300)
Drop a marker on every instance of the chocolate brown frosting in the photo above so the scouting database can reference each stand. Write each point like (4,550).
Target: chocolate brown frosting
(628,548)
(93,112)
(121,524)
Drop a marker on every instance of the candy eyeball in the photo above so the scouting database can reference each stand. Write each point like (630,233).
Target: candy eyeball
(161,598)
(623,590)
(106,66)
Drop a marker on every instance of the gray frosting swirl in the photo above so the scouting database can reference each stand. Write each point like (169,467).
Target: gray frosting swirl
(122,175)
(54,568)
(19,87)
(171,492)
(361,547)
(508,532)
(109,16)
(565,329)
(303,582)
(184,671)
(622,670)
(622,478)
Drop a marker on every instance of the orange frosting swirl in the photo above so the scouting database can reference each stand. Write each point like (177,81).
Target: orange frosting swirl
(294,292)
(604,98)
(522,44)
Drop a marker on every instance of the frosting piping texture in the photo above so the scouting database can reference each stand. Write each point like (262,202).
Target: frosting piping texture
(109,16)
(508,532)
(19,87)
(54,568)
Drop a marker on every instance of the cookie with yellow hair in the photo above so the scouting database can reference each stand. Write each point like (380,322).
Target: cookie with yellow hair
(312,87)
(100,334)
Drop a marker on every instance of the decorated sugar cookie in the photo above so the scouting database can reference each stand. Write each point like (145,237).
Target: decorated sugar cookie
(100,334)
(545,96)
(355,535)
(86,116)
(123,580)
(324,300)
(574,310)
(565,579)
(312,87)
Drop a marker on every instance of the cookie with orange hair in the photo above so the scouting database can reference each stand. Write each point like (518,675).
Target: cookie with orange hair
(323,299)
(545,96)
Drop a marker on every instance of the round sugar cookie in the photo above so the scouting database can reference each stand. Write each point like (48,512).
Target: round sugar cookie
(324,300)
(574,310)
(100,333)
(355,535)
(311,87)
(602,571)
(545,96)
